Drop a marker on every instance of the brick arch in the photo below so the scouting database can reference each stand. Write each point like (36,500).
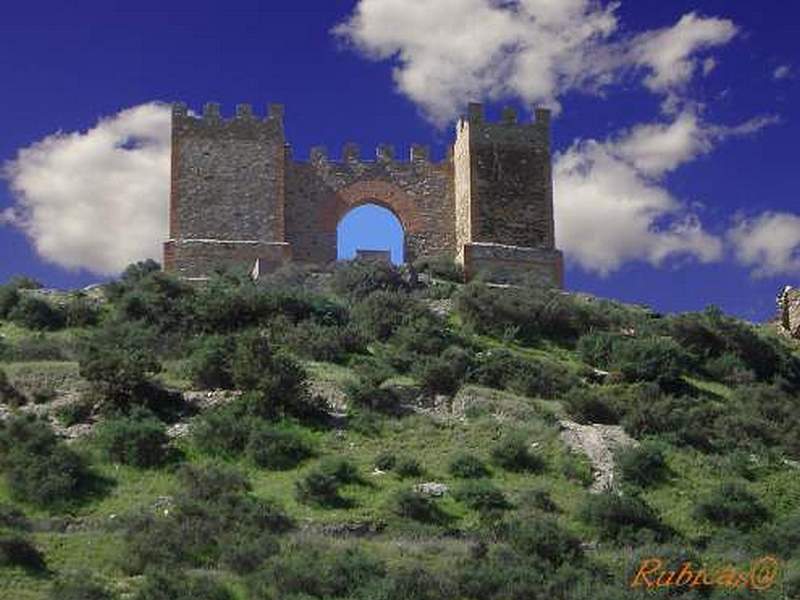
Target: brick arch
(381,193)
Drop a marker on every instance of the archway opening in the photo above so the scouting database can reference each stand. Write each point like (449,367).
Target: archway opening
(370,227)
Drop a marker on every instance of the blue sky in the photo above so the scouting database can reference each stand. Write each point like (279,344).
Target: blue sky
(676,130)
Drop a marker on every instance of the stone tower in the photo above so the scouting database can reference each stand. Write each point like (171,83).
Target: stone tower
(238,197)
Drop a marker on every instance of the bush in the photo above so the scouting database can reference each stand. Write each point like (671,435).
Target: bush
(79,586)
(359,279)
(279,448)
(138,439)
(18,551)
(541,500)
(223,430)
(512,454)
(543,539)
(9,297)
(246,554)
(37,347)
(437,375)
(481,495)
(729,369)
(176,585)
(592,405)
(621,518)
(732,505)
(413,505)
(408,466)
(783,537)
(501,369)
(379,315)
(366,393)
(468,466)
(336,573)
(643,466)
(209,365)
(328,343)
(13,518)
(319,488)
(441,267)
(35,313)
(385,461)
(81,312)
(8,393)
(38,467)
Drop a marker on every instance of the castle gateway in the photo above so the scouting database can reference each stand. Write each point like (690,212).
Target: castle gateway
(238,197)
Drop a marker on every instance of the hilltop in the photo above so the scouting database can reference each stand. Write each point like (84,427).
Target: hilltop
(378,433)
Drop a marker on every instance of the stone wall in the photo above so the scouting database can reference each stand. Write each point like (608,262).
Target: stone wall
(238,195)
(789,311)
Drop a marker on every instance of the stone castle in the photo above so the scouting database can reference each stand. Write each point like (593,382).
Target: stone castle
(238,197)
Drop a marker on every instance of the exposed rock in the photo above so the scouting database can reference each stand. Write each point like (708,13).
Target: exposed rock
(598,443)
(204,399)
(789,311)
(353,528)
(431,488)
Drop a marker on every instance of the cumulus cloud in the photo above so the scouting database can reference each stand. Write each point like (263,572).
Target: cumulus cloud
(782,72)
(449,51)
(768,244)
(96,199)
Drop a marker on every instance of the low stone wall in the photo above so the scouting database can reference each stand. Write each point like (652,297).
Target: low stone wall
(195,259)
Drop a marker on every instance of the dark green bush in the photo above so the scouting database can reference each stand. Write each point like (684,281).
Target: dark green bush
(385,461)
(729,369)
(13,518)
(329,343)
(592,405)
(359,279)
(177,585)
(437,376)
(368,394)
(80,585)
(223,430)
(732,505)
(543,539)
(74,412)
(513,454)
(379,315)
(246,554)
(499,368)
(481,495)
(413,505)
(8,393)
(781,538)
(539,499)
(138,439)
(81,312)
(319,488)
(38,467)
(210,363)
(468,466)
(621,518)
(408,466)
(644,465)
(279,447)
(336,573)
(9,297)
(18,551)
(36,313)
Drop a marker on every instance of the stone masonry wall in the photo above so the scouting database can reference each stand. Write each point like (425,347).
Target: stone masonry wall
(321,191)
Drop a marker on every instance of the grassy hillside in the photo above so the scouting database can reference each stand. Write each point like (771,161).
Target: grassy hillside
(273,440)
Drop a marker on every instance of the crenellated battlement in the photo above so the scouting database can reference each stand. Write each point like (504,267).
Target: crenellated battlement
(384,153)
(212,115)
(507,128)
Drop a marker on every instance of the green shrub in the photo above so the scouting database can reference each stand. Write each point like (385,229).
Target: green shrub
(341,469)
(209,365)
(18,551)
(319,488)
(246,554)
(368,394)
(328,343)
(177,585)
(512,454)
(35,313)
(13,518)
(592,405)
(543,539)
(539,499)
(729,369)
(37,347)
(781,538)
(481,495)
(80,585)
(74,412)
(81,312)
(499,368)
(279,447)
(437,375)
(468,466)
(336,573)
(408,466)
(138,439)
(413,505)
(8,393)
(223,430)
(9,297)
(379,315)
(441,267)
(385,461)
(621,518)
(38,467)
(644,465)
(359,279)
(732,505)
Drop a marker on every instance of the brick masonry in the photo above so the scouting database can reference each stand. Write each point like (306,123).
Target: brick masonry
(238,195)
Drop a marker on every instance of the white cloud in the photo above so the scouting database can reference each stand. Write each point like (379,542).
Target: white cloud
(96,199)
(768,244)
(782,72)
(450,51)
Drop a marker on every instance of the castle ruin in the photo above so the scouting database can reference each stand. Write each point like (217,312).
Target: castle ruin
(238,197)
